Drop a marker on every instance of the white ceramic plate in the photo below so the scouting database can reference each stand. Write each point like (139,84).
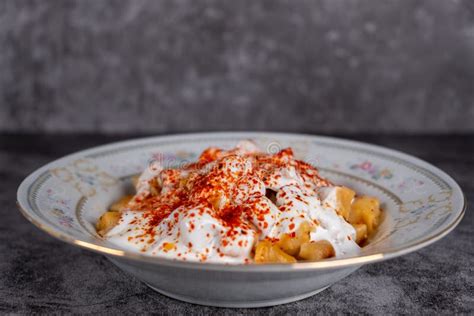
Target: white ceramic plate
(421,204)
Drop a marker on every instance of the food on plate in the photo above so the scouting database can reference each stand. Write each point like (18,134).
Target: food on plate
(240,206)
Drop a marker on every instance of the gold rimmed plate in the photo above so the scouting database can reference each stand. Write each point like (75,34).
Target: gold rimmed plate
(421,205)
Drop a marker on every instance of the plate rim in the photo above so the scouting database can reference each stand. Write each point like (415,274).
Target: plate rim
(22,193)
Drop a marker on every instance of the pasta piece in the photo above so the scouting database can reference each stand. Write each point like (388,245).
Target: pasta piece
(316,250)
(344,197)
(121,204)
(361,232)
(291,245)
(266,252)
(365,210)
(107,221)
(110,218)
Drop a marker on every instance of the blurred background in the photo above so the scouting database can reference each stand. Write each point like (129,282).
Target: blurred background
(331,66)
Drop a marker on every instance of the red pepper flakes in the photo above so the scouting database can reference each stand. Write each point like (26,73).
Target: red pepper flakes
(210,179)
(151,240)
(297,197)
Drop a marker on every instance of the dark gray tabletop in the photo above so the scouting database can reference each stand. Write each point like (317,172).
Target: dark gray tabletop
(41,274)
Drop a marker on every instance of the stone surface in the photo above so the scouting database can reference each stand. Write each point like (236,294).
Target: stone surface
(41,274)
(161,66)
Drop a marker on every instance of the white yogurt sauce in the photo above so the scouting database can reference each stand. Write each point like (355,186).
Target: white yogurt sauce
(198,233)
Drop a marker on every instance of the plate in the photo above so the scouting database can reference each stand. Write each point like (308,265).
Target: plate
(421,204)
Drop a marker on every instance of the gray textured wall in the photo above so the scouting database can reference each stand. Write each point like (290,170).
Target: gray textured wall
(161,66)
